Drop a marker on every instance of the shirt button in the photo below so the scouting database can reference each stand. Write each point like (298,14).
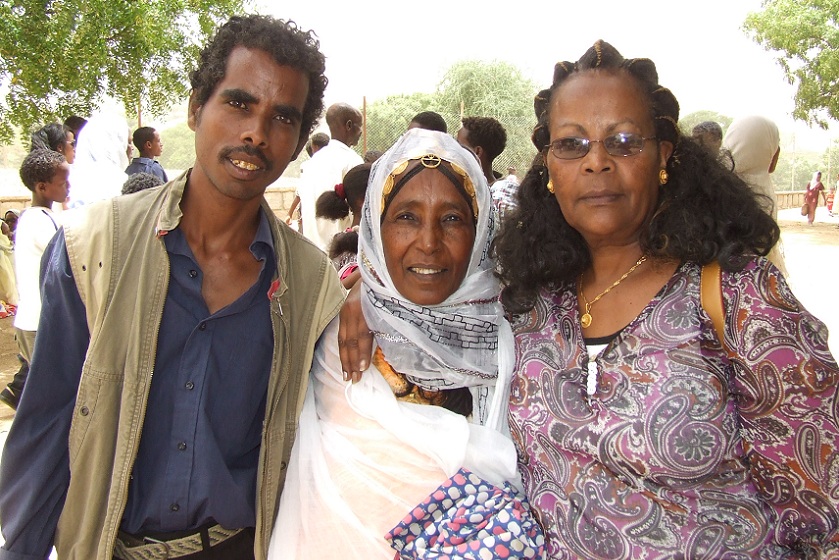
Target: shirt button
(174,507)
(182,446)
(193,273)
(202,326)
(190,385)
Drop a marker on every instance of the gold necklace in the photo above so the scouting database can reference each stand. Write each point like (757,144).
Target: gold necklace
(585,320)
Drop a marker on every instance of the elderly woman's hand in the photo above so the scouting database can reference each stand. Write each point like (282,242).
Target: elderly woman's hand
(355,341)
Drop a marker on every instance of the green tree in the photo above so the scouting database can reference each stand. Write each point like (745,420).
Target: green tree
(830,163)
(178,147)
(388,118)
(494,89)
(687,122)
(795,167)
(490,89)
(59,58)
(805,36)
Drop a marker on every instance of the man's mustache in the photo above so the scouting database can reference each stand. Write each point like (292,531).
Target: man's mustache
(226,153)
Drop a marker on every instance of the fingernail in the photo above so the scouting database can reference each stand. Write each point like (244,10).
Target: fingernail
(346,375)
(363,365)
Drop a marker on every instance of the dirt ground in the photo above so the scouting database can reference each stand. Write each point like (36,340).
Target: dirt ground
(820,233)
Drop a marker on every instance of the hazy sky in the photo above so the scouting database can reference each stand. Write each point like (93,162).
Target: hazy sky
(384,47)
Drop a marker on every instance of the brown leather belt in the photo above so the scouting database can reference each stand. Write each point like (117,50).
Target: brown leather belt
(129,547)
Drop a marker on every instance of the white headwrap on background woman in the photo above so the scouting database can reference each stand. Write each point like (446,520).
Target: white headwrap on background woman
(753,142)
(98,171)
(453,344)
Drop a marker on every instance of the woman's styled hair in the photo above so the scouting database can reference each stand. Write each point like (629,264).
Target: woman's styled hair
(335,205)
(704,211)
(49,137)
(345,197)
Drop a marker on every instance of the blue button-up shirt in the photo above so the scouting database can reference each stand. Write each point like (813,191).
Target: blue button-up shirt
(146,165)
(199,450)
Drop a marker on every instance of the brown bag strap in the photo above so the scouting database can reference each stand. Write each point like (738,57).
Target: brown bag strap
(710,298)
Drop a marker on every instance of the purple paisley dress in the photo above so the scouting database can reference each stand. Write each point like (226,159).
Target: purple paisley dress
(682,452)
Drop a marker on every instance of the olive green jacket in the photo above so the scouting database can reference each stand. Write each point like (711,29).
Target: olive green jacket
(121,270)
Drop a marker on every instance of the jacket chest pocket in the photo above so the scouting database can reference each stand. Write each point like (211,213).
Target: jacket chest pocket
(95,415)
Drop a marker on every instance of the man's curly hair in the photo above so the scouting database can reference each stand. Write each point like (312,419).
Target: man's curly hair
(283,40)
(487,133)
(39,166)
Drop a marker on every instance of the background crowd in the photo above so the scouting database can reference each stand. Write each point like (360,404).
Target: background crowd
(600,359)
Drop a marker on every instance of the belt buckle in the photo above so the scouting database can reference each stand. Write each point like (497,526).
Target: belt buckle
(166,548)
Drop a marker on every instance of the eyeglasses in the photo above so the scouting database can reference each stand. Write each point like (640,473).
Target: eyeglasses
(622,144)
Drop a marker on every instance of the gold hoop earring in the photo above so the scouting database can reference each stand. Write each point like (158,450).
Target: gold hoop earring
(663,177)
(550,186)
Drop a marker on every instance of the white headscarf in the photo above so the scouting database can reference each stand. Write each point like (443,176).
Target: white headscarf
(452,344)
(753,142)
(98,171)
(815,180)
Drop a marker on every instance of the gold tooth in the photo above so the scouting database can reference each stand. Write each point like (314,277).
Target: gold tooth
(245,165)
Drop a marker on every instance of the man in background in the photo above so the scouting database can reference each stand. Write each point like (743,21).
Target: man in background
(487,138)
(315,143)
(150,146)
(708,134)
(327,168)
(429,120)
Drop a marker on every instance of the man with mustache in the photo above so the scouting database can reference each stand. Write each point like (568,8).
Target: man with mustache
(178,330)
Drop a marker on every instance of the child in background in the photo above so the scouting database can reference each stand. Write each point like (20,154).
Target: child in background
(8,288)
(10,218)
(140,182)
(336,205)
(44,172)
(150,146)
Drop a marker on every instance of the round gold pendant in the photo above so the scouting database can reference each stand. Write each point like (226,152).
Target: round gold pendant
(585,320)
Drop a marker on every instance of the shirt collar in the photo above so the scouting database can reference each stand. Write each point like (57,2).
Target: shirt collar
(262,246)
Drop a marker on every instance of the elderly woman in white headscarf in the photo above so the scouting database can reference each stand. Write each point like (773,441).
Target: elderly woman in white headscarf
(425,430)
(755,144)
(98,171)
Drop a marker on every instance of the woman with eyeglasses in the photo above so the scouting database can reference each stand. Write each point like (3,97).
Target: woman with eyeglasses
(642,429)
(640,433)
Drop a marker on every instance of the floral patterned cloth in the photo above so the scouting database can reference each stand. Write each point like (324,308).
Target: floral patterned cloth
(682,453)
(469,518)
